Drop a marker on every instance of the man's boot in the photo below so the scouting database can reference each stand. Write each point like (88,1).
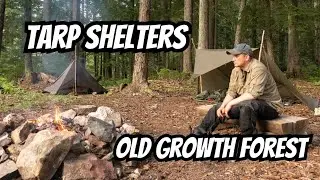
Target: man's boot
(209,122)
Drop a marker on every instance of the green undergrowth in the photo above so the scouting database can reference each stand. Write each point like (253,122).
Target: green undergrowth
(311,73)
(13,97)
(172,75)
(27,100)
(114,82)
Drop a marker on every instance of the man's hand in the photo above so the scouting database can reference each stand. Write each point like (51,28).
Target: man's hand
(227,109)
(220,112)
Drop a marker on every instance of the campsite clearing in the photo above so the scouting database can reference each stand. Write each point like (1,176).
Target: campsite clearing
(172,111)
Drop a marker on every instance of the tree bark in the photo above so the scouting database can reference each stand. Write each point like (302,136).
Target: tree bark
(187,54)
(83,11)
(268,35)
(317,33)
(293,67)
(212,24)
(140,69)
(237,38)
(46,10)
(254,24)
(28,67)
(165,17)
(101,65)
(95,65)
(203,25)
(2,15)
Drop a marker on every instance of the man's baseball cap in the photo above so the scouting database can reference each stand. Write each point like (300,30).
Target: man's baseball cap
(240,49)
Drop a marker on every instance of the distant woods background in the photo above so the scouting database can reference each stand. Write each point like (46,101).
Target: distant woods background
(292,35)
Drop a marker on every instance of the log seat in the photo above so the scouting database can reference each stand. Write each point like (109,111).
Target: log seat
(284,124)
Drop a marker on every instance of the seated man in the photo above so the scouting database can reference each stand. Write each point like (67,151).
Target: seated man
(252,95)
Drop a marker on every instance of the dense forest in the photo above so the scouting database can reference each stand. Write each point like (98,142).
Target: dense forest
(291,35)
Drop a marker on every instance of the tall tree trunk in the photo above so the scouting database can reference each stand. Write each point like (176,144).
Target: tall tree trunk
(95,65)
(104,65)
(282,48)
(140,71)
(82,11)
(212,24)
(268,33)
(254,24)
(187,54)
(46,10)
(131,55)
(114,67)
(76,17)
(293,68)
(203,41)
(317,33)
(2,15)
(107,65)
(101,65)
(237,38)
(203,25)
(165,17)
(28,67)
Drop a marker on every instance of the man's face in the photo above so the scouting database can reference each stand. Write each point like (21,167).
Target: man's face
(240,60)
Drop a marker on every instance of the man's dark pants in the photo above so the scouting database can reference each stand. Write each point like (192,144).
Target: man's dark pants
(248,112)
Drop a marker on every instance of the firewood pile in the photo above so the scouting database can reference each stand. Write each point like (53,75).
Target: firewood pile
(74,144)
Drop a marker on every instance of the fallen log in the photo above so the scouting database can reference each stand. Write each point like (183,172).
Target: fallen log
(284,124)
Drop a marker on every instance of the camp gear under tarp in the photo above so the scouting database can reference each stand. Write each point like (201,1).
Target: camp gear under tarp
(66,82)
(215,66)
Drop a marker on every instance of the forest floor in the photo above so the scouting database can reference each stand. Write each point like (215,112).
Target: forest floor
(171,111)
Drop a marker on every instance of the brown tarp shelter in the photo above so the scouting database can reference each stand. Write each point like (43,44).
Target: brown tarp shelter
(215,66)
(66,82)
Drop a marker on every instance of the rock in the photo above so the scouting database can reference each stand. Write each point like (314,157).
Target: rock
(84,109)
(86,145)
(43,156)
(8,170)
(107,114)
(20,134)
(68,115)
(81,120)
(14,151)
(3,155)
(87,133)
(13,120)
(88,166)
(103,130)
(95,141)
(5,140)
(2,127)
(29,139)
(117,119)
(77,146)
(128,129)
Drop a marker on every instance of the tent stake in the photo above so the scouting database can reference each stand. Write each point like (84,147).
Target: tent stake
(261,45)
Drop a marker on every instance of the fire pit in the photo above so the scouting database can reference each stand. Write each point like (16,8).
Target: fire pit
(58,145)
